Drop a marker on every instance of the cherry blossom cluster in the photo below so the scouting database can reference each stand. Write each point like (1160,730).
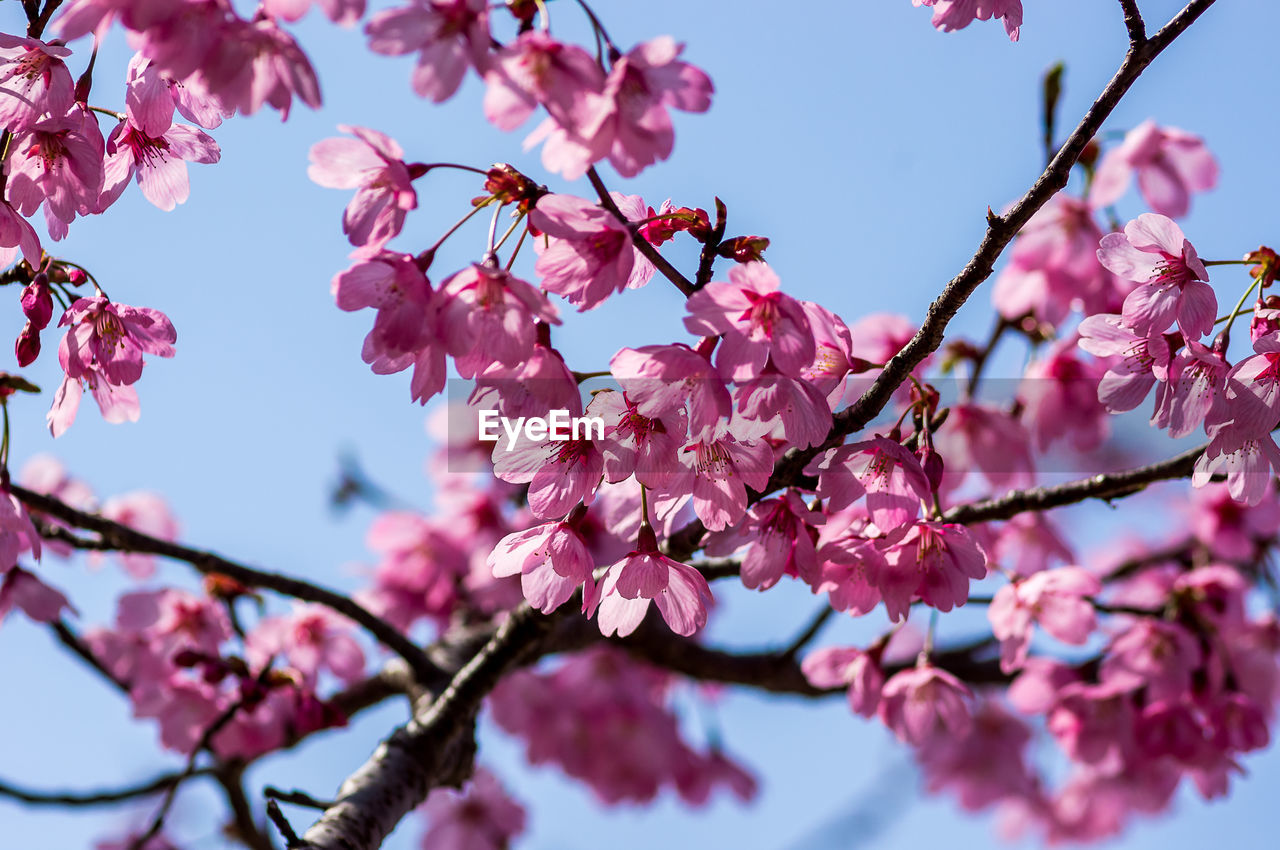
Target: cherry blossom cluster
(734,451)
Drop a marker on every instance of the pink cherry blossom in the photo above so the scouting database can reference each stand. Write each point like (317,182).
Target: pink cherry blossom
(1170,164)
(1253,389)
(1139,360)
(1060,396)
(16,232)
(536,69)
(1248,460)
(833,353)
(588,254)
(924,703)
(952,15)
(342,12)
(1154,252)
(253,64)
(983,438)
(158,163)
(636,444)
(543,383)
(781,535)
(935,562)
(886,472)
(111,339)
(310,638)
(560,473)
(481,816)
(487,317)
(663,378)
(146,512)
(25,591)
(57,162)
(34,81)
(631,124)
(836,667)
(373,165)
(17,533)
(758,323)
(1056,599)
(1194,392)
(681,593)
(405,331)
(1157,655)
(552,561)
(718,472)
(791,408)
(420,570)
(449,37)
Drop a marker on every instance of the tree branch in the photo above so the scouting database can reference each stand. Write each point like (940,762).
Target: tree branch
(117,537)
(1133,22)
(1108,486)
(650,253)
(98,798)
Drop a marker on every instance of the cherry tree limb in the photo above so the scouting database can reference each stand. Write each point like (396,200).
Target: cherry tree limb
(118,537)
(149,788)
(1104,486)
(1133,21)
(650,253)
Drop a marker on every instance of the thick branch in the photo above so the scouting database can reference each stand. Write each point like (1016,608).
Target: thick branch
(1109,486)
(122,538)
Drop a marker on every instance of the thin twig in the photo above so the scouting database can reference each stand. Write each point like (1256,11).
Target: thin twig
(669,271)
(811,631)
(97,798)
(1133,22)
(118,537)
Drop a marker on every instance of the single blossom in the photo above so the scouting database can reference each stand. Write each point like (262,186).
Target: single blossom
(552,561)
(480,816)
(1154,252)
(935,562)
(883,470)
(1055,599)
(836,667)
(536,69)
(924,703)
(34,81)
(681,593)
(449,37)
(952,15)
(664,378)
(717,474)
(57,162)
(372,164)
(1135,361)
(1170,164)
(587,254)
(488,316)
(758,322)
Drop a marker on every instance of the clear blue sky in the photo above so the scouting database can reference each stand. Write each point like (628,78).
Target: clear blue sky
(866,145)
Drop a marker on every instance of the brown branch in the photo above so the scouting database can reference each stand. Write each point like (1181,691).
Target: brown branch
(651,253)
(122,538)
(1133,22)
(80,649)
(97,798)
(244,827)
(1108,486)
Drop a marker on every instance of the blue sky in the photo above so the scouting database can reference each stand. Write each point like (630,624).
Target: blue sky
(866,145)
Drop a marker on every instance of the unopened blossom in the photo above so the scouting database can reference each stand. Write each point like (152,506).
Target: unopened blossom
(631,124)
(372,164)
(923,702)
(757,320)
(952,15)
(449,37)
(1154,252)
(1136,361)
(935,562)
(1057,600)
(1170,165)
(58,162)
(681,593)
(587,254)
(664,378)
(552,561)
(836,667)
(883,470)
(487,317)
(534,70)
(34,81)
